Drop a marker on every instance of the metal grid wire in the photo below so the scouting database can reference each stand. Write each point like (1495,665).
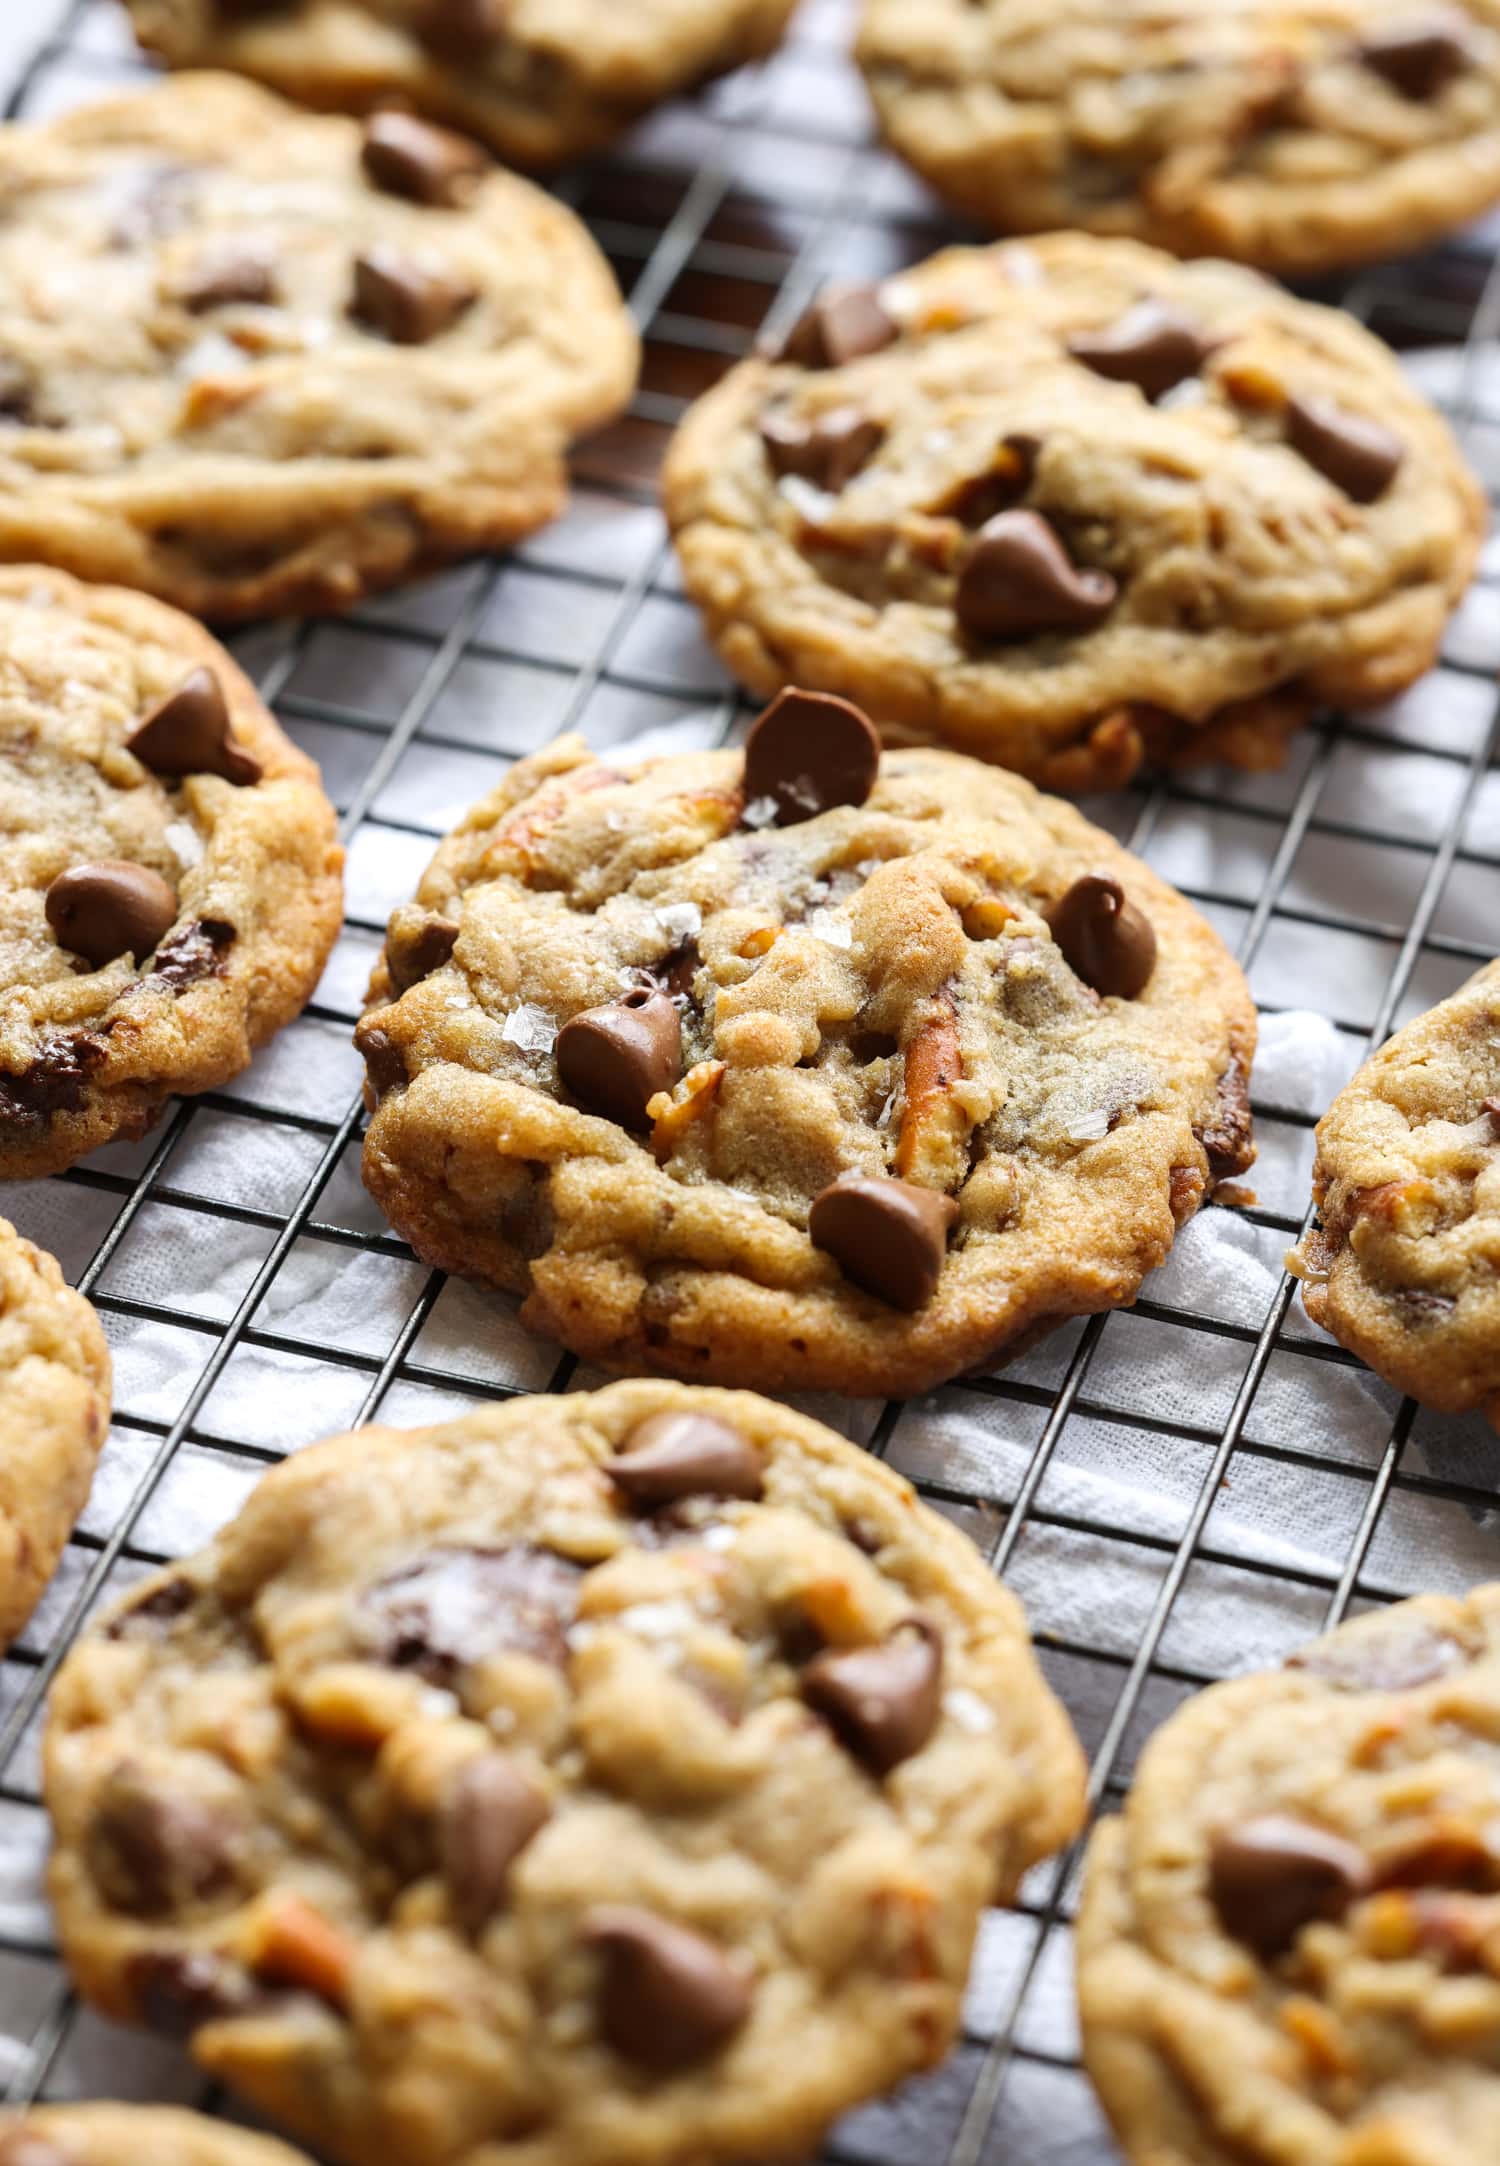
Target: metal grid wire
(721,217)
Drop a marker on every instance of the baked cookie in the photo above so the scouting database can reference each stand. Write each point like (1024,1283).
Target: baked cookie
(1300,137)
(54,1415)
(169,877)
(133,2136)
(612,1779)
(1289,1946)
(798,1066)
(540,80)
(1070,505)
(253,360)
(1405,1268)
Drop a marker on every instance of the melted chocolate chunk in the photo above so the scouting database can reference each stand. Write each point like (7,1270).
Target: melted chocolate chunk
(1419,59)
(418,953)
(1360,456)
(385,1063)
(151,1855)
(455,1607)
(176,1992)
(1401,1654)
(56,1081)
(844,323)
(671,1456)
(159,1606)
(828,452)
(195,952)
(1230,1141)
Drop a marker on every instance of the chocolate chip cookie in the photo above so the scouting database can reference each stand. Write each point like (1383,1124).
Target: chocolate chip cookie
(1071,505)
(54,1413)
(611,1779)
(540,80)
(252,360)
(1297,137)
(133,2136)
(169,875)
(1405,1268)
(1289,1947)
(798,1066)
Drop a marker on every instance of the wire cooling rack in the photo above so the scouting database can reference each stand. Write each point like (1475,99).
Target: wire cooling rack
(1201,1481)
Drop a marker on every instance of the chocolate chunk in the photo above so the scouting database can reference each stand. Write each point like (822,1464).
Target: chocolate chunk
(222,275)
(152,1855)
(843,324)
(176,1992)
(828,452)
(1153,347)
(409,157)
(109,909)
(889,1236)
(454,1607)
(418,952)
(668,1997)
(881,1702)
(56,1081)
(1230,1141)
(15,392)
(1358,455)
(194,952)
(671,1456)
(974,501)
(189,733)
(1419,1306)
(1104,938)
(1271,1876)
(616,1058)
(491,1812)
(385,1063)
(405,301)
(153,1610)
(1019,580)
(809,752)
(676,972)
(1420,58)
(19,2147)
(462,29)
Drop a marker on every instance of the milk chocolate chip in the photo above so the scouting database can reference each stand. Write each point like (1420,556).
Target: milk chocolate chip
(881,1702)
(454,1607)
(491,1812)
(409,157)
(1153,347)
(1358,455)
(225,274)
(462,29)
(420,950)
(671,1456)
(1104,938)
(405,301)
(844,323)
(151,1855)
(668,1997)
(1271,1876)
(616,1058)
(890,1237)
(188,733)
(828,451)
(1019,580)
(809,752)
(109,909)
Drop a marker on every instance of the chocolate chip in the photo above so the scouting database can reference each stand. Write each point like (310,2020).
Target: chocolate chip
(223,275)
(1229,1141)
(668,1997)
(616,1058)
(828,451)
(189,733)
(158,1606)
(1019,580)
(881,1702)
(405,301)
(385,1063)
(843,324)
(409,157)
(490,1814)
(455,1607)
(889,1236)
(109,909)
(1271,1876)
(1104,938)
(809,752)
(56,1081)
(194,952)
(1399,1654)
(414,953)
(671,1456)
(177,1992)
(978,498)
(1418,59)
(1421,1307)
(19,2147)
(462,29)
(676,972)
(152,1855)
(15,392)
(1358,455)
(1153,347)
